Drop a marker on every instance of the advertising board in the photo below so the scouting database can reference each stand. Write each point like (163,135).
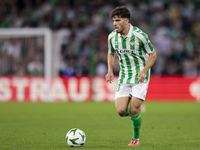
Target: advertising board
(85,89)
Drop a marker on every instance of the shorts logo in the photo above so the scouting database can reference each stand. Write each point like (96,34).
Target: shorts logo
(118,87)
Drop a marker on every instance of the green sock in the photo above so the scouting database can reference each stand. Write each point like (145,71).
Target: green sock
(136,123)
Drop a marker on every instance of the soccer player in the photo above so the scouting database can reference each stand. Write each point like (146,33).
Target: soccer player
(136,56)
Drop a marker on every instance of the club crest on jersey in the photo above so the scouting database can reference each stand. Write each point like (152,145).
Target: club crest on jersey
(132,43)
(120,51)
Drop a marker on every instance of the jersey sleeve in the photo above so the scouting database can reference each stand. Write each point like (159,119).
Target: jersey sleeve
(147,46)
(110,46)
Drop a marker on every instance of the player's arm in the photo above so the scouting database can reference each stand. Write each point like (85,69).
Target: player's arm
(147,48)
(151,60)
(110,60)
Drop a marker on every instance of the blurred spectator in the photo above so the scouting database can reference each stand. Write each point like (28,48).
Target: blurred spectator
(162,41)
(82,66)
(35,67)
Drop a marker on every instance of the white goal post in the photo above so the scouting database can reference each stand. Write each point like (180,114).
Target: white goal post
(17,33)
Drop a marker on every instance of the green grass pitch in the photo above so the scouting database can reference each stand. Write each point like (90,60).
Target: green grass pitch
(43,126)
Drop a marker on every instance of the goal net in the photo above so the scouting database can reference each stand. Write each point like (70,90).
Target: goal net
(25,52)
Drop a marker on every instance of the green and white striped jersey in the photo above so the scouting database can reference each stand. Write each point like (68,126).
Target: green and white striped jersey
(132,52)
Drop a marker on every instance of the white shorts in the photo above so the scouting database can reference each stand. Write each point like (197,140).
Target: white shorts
(127,90)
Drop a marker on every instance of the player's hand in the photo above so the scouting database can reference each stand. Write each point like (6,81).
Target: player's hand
(109,77)
(141,77)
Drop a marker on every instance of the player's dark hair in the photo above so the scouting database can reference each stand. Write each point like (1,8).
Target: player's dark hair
(120,11)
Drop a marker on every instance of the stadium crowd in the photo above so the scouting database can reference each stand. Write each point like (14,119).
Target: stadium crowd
(172,25)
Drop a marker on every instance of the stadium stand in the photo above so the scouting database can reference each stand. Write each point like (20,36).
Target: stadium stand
(83,27)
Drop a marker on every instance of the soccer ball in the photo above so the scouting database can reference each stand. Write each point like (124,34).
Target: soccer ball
(75,137)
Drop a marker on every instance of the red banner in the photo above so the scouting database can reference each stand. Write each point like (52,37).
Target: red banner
(83,89)
(174,88)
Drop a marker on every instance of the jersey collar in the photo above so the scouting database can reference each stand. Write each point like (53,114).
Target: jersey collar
(129,32)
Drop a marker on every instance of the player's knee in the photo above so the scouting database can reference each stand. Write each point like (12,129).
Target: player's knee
(121,112)
(134,111)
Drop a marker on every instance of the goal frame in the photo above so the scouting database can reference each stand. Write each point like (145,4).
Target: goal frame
(27,32)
